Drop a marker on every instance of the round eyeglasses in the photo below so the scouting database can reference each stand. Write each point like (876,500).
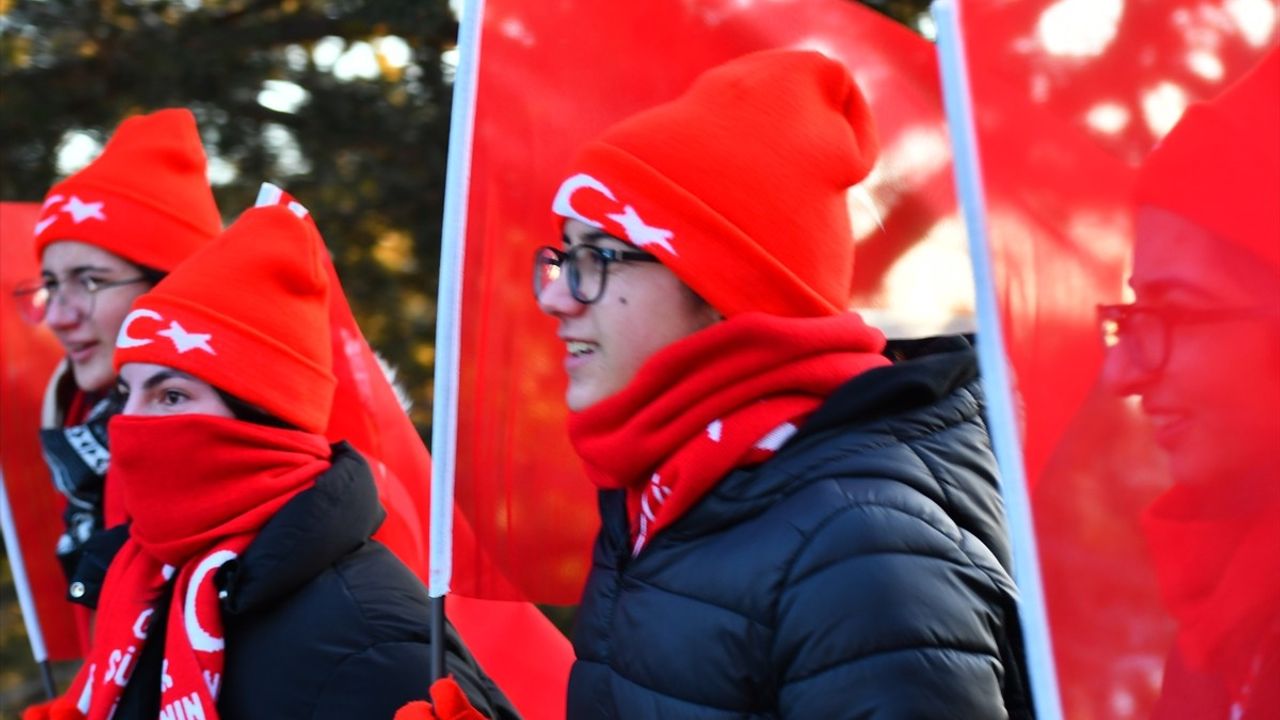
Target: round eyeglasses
(587,267)
(77,291)
(1145,331)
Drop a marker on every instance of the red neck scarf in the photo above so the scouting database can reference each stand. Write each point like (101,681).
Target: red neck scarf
(79,406)
(1219,572)
(198,488)
(723,398)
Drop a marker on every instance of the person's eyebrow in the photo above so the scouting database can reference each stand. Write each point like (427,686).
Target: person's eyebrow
(589,237)
(167,374)
(79,270)
(1161,289)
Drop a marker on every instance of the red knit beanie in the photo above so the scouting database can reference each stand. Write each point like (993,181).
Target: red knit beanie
(145,198)
(248,314)
(738,186)
(1220,165)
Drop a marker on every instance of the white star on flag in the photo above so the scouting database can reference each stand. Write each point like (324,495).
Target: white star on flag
(715,429)
(80,210)
(640,233)
(184,341)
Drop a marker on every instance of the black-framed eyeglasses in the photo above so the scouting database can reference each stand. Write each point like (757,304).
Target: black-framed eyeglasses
(587,268)
(1145,331)
(78,290)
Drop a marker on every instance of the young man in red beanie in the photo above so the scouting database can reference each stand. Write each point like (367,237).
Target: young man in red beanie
(793,525)
(249,586)
(105,236)
(1201,346)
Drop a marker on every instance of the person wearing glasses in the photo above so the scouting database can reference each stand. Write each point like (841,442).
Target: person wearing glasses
(793,525)
(1200,346)
(104,236)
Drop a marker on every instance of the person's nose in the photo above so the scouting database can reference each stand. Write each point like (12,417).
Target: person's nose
(133,405)
(557,301)
(61,314)
(1121,376)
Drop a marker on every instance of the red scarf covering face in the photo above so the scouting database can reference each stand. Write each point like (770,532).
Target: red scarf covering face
(723,398)
(1219,572)
(198,488)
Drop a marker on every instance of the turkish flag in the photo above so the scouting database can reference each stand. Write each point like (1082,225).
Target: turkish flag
(28,356)
(1069,97)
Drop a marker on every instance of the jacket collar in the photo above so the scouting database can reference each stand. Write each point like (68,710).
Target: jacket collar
(924,372)
(312,532)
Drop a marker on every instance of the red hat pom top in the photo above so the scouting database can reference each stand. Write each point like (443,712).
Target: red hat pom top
(744,177)
(247,314)
(1220,165)
(146,198)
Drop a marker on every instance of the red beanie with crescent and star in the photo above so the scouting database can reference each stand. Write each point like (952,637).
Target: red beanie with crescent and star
(739,185)
(248,314)
(145,198)
(1220,165)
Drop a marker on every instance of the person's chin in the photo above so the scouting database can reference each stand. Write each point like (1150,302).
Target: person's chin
(93,375)
(1191,463)
(578,399)
(582,394)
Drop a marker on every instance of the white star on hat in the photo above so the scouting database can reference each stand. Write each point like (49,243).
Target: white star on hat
(184,341)
(80,210)
(640,233)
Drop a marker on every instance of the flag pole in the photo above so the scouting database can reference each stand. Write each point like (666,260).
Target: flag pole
(444,415)
(26,601)
(1001,417)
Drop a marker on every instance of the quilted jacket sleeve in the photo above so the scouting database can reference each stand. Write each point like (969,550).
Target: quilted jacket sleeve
(890,611)
(379,681)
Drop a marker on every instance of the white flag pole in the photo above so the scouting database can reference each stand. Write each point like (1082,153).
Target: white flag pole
(1001,418)
(444,415)
(22,585)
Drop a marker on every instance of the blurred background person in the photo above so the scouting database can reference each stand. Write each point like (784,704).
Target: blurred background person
(106,235)
(1200,345)
(249,586)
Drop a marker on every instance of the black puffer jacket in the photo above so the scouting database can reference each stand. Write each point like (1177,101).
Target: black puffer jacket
(320,621)
(861,573)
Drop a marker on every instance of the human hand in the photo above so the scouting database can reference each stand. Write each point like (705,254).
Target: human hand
(448,702)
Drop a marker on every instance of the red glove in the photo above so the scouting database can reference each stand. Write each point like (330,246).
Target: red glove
(450,703)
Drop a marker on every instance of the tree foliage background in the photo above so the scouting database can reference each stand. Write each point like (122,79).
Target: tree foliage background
(344,103)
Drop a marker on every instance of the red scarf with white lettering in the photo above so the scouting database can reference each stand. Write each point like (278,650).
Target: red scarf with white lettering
(1218,568)
(198,488)
(723,398)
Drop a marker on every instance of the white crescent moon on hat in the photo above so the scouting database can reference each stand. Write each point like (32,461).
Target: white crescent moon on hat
(563,204)
(124,339)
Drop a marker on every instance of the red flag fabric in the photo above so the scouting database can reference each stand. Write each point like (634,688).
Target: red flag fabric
(28,355)
(552,75)
(1069,98)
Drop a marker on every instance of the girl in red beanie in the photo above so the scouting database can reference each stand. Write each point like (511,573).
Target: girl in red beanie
(793,525)
(1201,347)
(249,586)
(105,235)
